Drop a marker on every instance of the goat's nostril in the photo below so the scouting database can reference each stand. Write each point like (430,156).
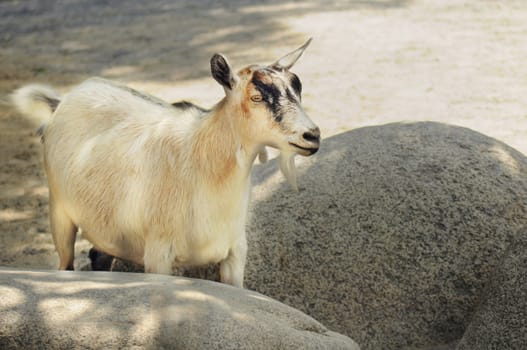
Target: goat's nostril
(312,137)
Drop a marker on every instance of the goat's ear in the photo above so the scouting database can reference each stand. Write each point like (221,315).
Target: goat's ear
(287,61)
(222,72)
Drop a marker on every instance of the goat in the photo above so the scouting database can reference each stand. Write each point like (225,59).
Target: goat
(163,185)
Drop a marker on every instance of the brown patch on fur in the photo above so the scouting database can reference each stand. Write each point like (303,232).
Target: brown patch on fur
(264,78)
(245,106)
(250,89)
(214,151)
(246,71)
(246,101)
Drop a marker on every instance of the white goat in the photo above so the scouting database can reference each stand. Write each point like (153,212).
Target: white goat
(164,185)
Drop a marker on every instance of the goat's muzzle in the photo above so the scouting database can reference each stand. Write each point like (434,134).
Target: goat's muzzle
(310,142)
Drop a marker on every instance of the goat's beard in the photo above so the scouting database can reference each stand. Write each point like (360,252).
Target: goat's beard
(263,156)
(287,165)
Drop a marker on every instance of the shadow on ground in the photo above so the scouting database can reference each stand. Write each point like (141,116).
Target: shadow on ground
(154,40)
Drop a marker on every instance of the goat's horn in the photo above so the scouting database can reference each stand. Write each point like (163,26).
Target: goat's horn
(290,59)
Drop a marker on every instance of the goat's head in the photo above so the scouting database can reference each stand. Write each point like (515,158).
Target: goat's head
(269,98)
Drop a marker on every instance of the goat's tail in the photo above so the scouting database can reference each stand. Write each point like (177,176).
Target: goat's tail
(36,101)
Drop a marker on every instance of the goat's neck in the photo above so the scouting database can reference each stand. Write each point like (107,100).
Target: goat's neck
(219,150)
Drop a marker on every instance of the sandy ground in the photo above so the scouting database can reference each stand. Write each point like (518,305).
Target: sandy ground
(371,62)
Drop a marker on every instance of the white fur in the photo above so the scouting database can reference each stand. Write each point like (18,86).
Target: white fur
(104,154)
(24,102)
(154,184)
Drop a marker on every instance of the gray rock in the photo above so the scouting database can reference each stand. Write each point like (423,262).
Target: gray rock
(394,234)
(102,310)
(500,321)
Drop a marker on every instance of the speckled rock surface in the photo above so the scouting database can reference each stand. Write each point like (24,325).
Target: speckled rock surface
(395,232)
(101,310)
(501,319)
(393,235)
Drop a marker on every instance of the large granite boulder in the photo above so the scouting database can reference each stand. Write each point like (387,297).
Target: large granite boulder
(101,310)
(394,233)
(500,321)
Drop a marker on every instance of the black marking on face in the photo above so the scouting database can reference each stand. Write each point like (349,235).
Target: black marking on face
(290,96)
(270,95)
(279,94)
(296,84)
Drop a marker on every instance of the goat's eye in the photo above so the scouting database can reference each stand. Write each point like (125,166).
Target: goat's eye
(257,98)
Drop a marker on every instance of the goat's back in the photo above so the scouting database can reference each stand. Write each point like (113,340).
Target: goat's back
(101,105)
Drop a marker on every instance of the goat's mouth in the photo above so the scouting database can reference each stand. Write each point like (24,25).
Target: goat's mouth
(305,151)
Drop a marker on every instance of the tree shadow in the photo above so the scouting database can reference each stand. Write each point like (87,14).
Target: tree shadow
(109,310)
(72,310)
(24,231)
(157,40)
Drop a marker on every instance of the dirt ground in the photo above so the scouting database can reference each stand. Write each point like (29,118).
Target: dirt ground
(371,62)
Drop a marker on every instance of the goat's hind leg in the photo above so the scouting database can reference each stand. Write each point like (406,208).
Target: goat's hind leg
(100,261)
(63,231)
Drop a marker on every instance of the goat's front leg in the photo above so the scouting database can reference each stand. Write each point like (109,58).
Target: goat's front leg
(233,267)
(158,257)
